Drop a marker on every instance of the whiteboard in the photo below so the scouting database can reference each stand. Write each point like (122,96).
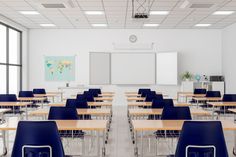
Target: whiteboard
(133,68)
(99,68)
(167,68)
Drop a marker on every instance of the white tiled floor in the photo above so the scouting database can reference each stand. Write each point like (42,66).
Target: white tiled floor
(119,143)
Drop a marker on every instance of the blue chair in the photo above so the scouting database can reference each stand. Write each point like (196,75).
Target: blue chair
(76,103)
(80,97)
(176,113)
(198,139)
(10,98)
(36,138)
(40,91)
(157,103)
(89,96)
(65,113)
(199,91)
(28,94)
(168,102)
(141,90)
(159,96)
(79,104)
(95,90)
(150,96)
(211,94)
(227,98)
(173,113)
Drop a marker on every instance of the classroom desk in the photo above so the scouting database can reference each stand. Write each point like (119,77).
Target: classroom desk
(187,95)
(52,95)
(90,104)
(139,95)
(85,125)
(94,112)
(221,104)
(153,125)
(136,99)
(145,112)
(234,112)
(30,99)
(149,104)
(105,95)
(17,104)
(103,99)
(199,99)
(133,95)
(57,93)
(2,111)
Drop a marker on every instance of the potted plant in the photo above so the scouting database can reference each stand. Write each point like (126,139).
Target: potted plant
(187,76)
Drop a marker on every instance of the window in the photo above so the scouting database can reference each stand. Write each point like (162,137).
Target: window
(10,60)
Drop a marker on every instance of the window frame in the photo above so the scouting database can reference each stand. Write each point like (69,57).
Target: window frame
(7,64)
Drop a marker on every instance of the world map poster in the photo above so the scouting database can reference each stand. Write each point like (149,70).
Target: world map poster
(59,68)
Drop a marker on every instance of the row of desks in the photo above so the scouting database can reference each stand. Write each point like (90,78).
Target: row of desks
(99,126)
(141,126)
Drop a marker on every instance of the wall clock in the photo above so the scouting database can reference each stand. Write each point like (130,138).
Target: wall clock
(133,38)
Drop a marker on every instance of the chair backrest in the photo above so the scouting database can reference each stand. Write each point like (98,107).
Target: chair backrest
(199,91)
(76,103)
(229,97)
(80,97)
(95,90)
(150,96)
(202,133)
(168,102)
(159,96)
(37,133)
(62,113)
(176,113)
(39,91)
(141,90)
(158,103)
(26,94)
(8,97)
(89,96)
(213,94)
(71,102)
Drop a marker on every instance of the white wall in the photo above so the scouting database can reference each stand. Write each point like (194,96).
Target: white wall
(199,50)
(24,48)
(228,57)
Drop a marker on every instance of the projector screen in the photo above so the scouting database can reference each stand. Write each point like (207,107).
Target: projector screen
(167,68)
(133,68)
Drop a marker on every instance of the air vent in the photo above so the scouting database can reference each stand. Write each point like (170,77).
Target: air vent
(53,5)
(200,6)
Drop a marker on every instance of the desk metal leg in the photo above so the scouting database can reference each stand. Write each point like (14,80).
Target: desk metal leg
(104,144)
(141,154)
(98,144)
(4,143)
(26,112)
(234,149)
(213,110)
(136,144)
(41,103)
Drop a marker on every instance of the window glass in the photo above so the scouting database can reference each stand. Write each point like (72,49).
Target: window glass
(14,46)
(3,46)
(3,82)
(14,79)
